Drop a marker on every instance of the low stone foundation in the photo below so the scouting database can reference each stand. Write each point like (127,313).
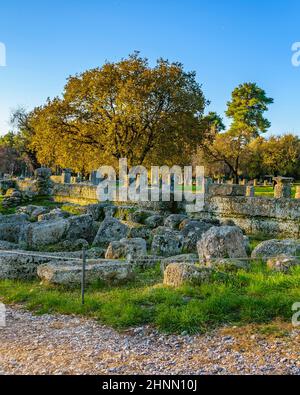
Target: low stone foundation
(273,217)
(75,193)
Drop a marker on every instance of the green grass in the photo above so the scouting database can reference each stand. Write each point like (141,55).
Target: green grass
(71,209)
(43,201)
(257,296)
(269,191)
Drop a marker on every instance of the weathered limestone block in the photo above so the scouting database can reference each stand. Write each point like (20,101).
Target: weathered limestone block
(178,274)
(40,234)
(53,215)
(140,216)
(76,193)
(80,227)
(273,248)
(282,191)
(110,230)
(43,233)
(283,263)
(274,217)
(154,221)
(221,242)
(11,226)
(37,212)
(79,244)
(97,211)
(28,210)
(184,258)
(192,233)
(106,271)
(227,190)
(173,221)
(138,231)
(110,211)
(124,248)
(14,266)
(170,206)
(166,242)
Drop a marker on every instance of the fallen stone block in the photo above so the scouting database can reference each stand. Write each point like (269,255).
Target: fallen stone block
(11,226)
(124,248)
(192,232)
(273,248)
(106,271)
(20,266)
(80,227)
(178,274)
(110,230)
(154,221)
(174,220)
(221,242)
(166,242)
(283,263)
(37,235)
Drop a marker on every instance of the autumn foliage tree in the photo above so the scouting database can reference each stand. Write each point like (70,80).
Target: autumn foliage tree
(121,110)
(246,110)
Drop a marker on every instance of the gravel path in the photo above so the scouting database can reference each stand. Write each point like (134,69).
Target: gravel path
(71,345)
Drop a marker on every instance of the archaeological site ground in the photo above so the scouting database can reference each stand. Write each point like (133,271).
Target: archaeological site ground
(149,193)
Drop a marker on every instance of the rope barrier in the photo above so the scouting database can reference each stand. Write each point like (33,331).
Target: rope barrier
(138,259)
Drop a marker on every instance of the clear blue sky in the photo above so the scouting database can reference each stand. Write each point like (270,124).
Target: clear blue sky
(225,42)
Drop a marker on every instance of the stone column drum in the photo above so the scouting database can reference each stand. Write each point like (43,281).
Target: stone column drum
(283,188)
(250,191)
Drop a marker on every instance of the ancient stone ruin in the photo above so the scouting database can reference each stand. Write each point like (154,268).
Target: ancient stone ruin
(46,242)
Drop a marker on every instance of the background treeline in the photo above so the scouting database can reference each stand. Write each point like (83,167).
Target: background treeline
(152,116)
(275,155)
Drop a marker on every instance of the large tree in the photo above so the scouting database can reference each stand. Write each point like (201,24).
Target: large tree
(246,110)
(21,123)
(281,155)
(10,158)
(124,109)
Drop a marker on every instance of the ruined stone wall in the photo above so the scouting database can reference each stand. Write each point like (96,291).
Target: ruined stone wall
(75,193)
(274,217)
